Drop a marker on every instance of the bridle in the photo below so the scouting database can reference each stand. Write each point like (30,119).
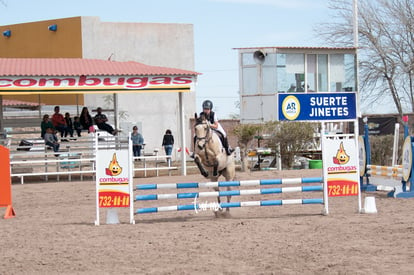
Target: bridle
(207,136)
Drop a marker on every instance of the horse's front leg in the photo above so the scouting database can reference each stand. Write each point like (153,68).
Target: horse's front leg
(228,199)
(215,168)
(216,213)
(218,197)
(200,166)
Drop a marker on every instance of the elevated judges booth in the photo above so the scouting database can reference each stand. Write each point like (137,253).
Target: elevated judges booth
(266,71)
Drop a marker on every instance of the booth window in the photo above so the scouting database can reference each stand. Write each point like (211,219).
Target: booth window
(269,74)
(249,81)
(290,72)
(310,74)
(258,78)
(350,73)
(249,74)
(322,73)
(342,72)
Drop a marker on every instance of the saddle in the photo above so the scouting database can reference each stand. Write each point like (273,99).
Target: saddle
(220,135)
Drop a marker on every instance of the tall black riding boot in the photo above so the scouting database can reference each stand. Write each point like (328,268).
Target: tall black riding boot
(192,155)
(226,146)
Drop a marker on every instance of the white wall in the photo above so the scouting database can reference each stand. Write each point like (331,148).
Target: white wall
(166,45)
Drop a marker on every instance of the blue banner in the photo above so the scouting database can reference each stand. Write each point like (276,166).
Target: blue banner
(317,106)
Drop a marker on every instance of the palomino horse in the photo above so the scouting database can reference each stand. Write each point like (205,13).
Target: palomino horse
(210,156)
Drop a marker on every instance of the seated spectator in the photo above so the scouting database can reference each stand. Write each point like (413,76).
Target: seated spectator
(59,122)
(46,123)
(101,121)
(69,124)
(51,139)
(85,119)
(77,125)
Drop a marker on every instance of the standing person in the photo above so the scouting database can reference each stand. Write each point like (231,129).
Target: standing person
(51,139)
(212,117)
(46,123)
(77,125)
(137,141)
(101,121)
(85,119)
(168,142)
(59,122)
(69,125)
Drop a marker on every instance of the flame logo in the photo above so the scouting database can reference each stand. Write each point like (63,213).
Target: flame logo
(341,157)
(113,169)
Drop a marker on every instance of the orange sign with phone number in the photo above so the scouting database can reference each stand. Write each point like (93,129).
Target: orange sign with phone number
(337,188)
(113,199)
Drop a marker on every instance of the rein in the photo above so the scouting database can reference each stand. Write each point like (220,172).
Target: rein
(207,139)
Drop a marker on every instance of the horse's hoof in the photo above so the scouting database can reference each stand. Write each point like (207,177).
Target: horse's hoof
(226,214)
(222,214)
(205,175)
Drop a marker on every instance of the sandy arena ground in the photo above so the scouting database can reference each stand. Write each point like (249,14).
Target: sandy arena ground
(54,233)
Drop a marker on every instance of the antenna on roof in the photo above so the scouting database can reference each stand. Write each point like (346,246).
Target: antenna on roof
(110,57)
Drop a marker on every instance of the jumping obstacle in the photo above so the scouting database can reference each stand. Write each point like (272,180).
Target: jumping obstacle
(384,177)
(387,178)
(385,171)
(200,206)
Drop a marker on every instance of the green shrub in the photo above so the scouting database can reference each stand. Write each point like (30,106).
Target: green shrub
(245,134)
(290,138)
(381,149)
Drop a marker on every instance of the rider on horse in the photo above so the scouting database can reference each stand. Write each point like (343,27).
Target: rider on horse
(212,118)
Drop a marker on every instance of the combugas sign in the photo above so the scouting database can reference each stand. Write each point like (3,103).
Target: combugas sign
(342,166)
(112,172)
(317,106)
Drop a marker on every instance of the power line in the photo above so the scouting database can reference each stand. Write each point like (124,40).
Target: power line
(213,71)
(222,97)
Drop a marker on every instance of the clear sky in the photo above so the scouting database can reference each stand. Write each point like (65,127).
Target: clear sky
(219,26)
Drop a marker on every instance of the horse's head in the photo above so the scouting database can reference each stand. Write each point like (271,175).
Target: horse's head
(200,119)
(202,131)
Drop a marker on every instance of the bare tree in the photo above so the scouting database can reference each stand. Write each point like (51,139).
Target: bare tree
(386,41)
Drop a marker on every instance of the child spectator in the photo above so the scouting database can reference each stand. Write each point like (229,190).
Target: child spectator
(69,125)
(137,141)
(77,125)
(51,140)
(46,123)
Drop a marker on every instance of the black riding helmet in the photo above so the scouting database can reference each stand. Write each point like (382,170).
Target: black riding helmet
(207,104)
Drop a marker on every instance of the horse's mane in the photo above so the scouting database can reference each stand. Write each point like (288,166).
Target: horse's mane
(200,120)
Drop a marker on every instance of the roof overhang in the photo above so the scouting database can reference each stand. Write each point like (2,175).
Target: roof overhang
(308,50)
(94,84)
(22,76)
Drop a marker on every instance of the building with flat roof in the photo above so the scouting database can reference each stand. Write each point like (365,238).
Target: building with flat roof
(166,45)
(266,71)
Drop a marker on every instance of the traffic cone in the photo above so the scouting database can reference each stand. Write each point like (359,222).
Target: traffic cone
(9,212)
